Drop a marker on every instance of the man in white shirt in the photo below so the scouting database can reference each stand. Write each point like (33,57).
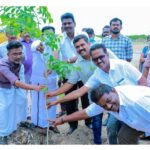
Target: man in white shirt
(122,102)
(87,67)
(112,73)
(68,53)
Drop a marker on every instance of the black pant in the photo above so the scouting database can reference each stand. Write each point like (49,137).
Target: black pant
(62,105)
(72,106)
(84,102)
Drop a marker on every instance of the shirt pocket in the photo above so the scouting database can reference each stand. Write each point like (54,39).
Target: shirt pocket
(121,81)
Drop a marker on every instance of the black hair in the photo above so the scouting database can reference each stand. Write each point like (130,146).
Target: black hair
(13,44)
(79,37)
(106,26)
(48,28)
(114,20)
(98,46)
(89,31)
(67,16)
(98,92)
(84,29)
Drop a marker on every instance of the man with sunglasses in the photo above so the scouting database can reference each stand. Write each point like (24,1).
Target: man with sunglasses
(87,67)
(112,72)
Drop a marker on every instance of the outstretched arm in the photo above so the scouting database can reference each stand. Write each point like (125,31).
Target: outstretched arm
(28,86)
(142,81)
(79,115)
(67,86)
(71,96)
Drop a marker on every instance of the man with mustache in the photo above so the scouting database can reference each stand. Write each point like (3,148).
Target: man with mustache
(118,43)
(112,72)
(87,68)
(122,47)
(11,85)
(133,110)
(123,104)
(68,53)
(105,31)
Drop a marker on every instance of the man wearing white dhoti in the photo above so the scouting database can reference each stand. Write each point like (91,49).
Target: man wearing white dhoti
(10,82)
(39,114)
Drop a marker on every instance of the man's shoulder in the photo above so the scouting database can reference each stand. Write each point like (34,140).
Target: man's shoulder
(118,61)
(97,71)
(107,38)
(4,62)
(124,37)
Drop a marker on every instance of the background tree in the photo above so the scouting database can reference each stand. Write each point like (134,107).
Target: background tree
(17,19)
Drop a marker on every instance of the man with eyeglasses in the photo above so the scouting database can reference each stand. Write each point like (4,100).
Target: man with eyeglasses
(87,67)
(113,72)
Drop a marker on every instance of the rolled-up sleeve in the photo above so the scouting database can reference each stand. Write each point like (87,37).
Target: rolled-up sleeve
(94,110)
(93,81)
(11,77)
(74,77)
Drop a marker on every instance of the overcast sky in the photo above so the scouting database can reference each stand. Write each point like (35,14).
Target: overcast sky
(135,14)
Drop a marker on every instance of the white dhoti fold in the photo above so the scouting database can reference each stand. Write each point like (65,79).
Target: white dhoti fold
(7,111)
(21,105)
(38,109)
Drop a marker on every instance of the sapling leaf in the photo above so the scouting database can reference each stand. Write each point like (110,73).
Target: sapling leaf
(45,89)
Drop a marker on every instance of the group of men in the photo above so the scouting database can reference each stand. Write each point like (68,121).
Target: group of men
(125,121)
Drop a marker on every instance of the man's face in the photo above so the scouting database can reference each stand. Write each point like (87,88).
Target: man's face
(106,32)
(115,27)
(68,25)
(100,59)
(15,55)
(11,37)
(26,37)
(110,101)
(82,47)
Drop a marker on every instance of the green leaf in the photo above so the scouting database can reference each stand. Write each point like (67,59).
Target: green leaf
(45,90)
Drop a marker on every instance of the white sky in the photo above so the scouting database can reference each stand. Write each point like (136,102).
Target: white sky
(135,14)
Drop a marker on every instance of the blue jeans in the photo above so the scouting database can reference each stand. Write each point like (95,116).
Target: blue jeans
(113,126)
(97,128)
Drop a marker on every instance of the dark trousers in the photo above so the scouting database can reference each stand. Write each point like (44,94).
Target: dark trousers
(62,105)
(120,133)
(128,135)
(72,106)
(97,128)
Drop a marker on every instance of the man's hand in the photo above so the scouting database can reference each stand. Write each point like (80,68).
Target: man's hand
(72,60)
(50,104)
(47,72)
(38,88)
(49,95)
(56,122)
